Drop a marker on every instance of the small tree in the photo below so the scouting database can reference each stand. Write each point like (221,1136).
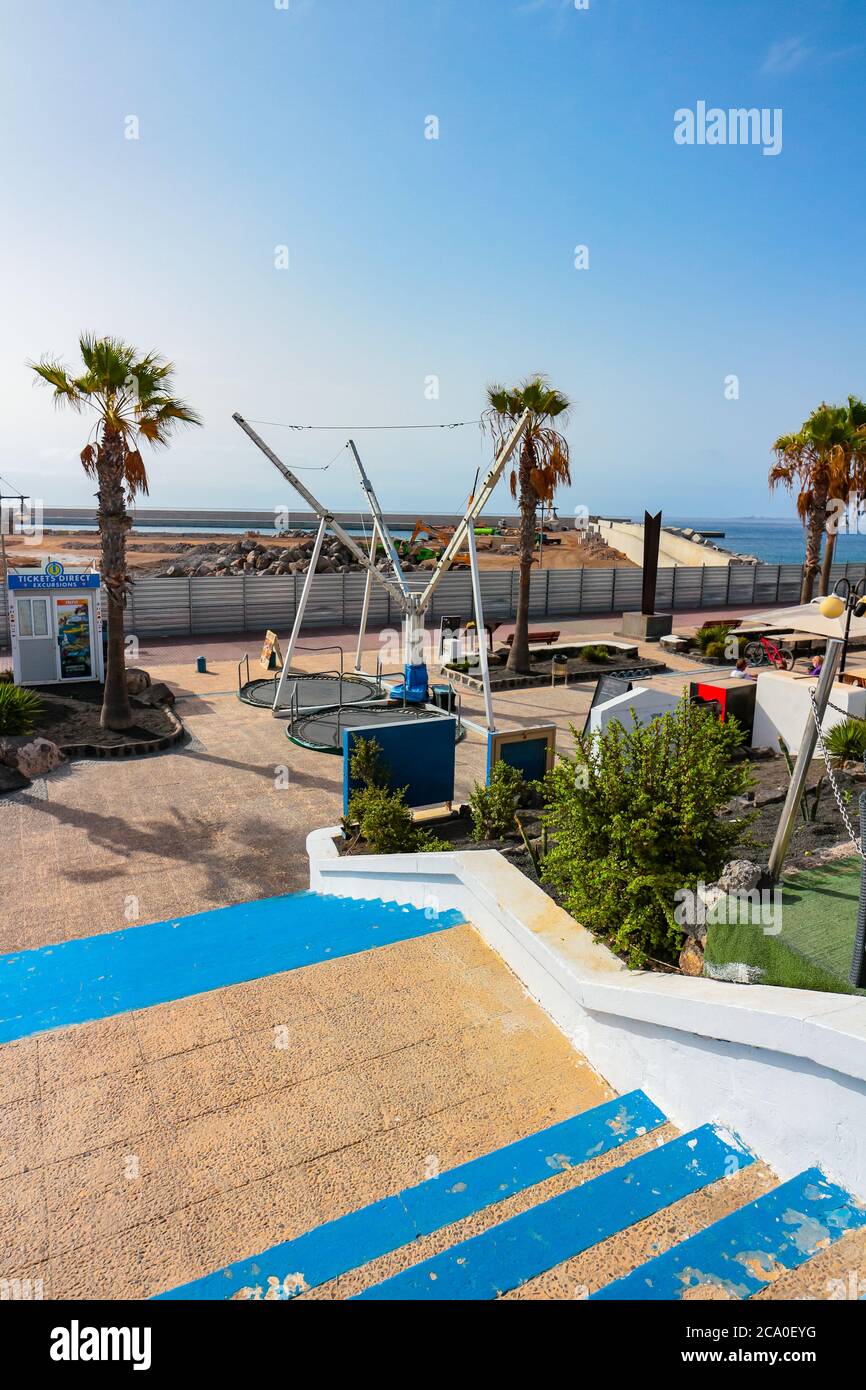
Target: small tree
(131,399)
(634,818)
(542,467)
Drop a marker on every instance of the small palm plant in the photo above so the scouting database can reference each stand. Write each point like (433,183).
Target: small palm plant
(19,709)
(131,397)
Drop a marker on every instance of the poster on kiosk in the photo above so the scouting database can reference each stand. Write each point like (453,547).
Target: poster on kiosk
(55,621)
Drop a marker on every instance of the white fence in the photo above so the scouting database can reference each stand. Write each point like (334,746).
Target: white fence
(187,607)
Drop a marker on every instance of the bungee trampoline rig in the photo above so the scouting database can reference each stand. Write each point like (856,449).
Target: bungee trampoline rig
(320,705)
(309,691)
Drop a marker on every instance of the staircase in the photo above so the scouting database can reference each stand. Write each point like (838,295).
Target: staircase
(671,1216)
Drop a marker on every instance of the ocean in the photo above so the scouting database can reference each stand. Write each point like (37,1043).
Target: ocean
(776,542)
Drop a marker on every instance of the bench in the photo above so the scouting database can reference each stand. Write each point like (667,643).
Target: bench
(546,637)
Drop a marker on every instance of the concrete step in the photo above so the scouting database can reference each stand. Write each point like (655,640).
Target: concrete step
(751,1248)
(520,1249)
(332,1250)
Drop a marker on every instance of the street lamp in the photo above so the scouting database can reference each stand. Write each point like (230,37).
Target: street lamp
(845,598)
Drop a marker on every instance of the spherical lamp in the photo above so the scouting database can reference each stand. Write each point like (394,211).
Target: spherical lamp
(832,606)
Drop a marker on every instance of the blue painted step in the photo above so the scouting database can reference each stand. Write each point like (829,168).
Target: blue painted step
(353,1240)
(95,976)
(744,1251)
(536,1240)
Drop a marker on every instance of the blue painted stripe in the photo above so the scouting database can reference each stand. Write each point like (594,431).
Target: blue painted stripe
(745,1251)
(353,1240)
(536,1240)
(95,976)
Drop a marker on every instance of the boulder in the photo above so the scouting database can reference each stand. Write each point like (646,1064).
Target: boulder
(136,680)
(740,876)
(30,756)
(692,958)
(158,694)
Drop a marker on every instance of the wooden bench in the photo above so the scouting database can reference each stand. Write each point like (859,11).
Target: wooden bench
(546,637)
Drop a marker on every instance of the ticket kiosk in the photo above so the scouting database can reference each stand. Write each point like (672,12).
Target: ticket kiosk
(55,623)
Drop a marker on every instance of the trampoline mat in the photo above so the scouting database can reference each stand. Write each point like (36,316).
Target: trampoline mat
(313,691)
(323,729)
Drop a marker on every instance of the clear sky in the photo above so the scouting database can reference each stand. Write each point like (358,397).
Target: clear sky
(261,126)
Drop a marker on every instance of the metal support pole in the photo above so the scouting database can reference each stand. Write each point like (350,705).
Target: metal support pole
(299,615)
(480,630)
(791,808)
(368,589)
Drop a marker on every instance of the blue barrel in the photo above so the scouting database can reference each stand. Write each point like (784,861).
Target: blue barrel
(201,664)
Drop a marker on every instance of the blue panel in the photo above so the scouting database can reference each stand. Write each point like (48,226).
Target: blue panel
(744,1252)
(93,977)
(419,755)
(353,1240)
(536,1240)
(529,757)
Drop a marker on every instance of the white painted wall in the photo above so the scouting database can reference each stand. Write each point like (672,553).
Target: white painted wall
(782,707)
(785,1069)
(627,537)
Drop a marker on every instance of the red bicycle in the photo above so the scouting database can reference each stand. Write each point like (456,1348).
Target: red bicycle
(766,653)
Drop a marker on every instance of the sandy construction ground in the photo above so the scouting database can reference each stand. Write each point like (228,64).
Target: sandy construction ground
(150,550)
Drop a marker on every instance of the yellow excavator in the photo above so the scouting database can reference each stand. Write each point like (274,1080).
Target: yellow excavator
(416,550)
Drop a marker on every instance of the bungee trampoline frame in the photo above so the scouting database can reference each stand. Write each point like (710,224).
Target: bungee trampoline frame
(371,712)
(352,681)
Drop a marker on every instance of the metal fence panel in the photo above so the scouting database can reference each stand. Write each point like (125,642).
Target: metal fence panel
(168,607)
(267,601)
(217,605)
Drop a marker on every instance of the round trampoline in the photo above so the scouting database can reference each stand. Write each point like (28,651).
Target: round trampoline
(322,729)
(309,692)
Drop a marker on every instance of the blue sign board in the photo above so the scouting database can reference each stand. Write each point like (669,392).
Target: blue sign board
(42,580)
(419,755)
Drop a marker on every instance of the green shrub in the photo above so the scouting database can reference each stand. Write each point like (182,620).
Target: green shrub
(493,807)
(594,653)
(634,819)
(19,709)
(384,821)
(846,742)
(715,651)
(711,633)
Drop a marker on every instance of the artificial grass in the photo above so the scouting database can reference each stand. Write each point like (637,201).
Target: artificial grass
(814,948)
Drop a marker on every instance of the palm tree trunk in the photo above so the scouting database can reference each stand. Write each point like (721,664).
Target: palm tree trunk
(518,657)
(114,522)
(827,563)
(815,531)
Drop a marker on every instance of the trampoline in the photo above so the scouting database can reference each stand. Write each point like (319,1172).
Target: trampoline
(309,692)
(322,730)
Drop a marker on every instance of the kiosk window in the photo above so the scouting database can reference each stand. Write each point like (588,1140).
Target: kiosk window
(33,617)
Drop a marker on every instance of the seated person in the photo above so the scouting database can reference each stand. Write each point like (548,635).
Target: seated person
(816,664)
(741,670)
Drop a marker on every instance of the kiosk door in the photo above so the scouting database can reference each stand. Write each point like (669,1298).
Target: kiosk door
(37,645)
(74,623)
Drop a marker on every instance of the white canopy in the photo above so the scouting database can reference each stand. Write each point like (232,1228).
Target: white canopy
(806,617)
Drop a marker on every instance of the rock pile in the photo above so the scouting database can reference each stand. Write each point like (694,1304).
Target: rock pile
(250,556)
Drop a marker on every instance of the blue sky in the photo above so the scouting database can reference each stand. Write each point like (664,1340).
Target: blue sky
(409,258)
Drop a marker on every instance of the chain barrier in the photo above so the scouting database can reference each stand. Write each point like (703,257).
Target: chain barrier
(854,834)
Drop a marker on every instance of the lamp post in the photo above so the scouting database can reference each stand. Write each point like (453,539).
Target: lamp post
(849,599)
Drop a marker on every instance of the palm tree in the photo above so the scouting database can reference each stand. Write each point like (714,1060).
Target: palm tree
(848,480)
(543,465)
(131,398)
(812,459)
